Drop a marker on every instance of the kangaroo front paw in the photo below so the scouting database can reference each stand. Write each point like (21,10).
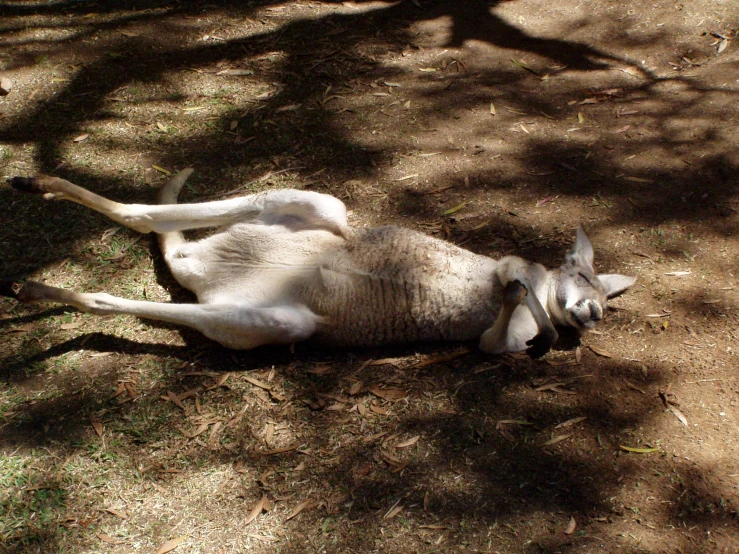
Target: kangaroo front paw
(514,293)
(541,343)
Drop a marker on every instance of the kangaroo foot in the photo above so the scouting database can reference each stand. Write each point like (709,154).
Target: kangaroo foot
(10,288)
(26,291)
(49,187)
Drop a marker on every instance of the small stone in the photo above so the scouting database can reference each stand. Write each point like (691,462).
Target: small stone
(5,86)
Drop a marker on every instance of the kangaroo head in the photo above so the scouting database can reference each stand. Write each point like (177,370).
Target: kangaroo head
(579,296)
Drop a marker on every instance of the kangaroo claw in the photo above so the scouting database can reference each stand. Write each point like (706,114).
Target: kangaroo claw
(541,343)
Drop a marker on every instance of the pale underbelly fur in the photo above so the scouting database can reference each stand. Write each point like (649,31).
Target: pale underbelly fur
(378,286)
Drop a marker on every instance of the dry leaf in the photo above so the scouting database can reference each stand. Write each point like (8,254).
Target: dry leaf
(214,433)
(512,422)
(646,450)
(118,513)
(400,467)
(269,433)
(234,420)
(678,414)
(199,431)
(80,138)
(96,424)
(601,351)
(555,440)
(570,422)
(279,450)
(441,359)
(162,127)
(258,383)
(299,508)
(336,407)
(630,71)
(170,545)
(288,108)
(320,370)
(455,209)
(387,361)
(578,354)
(394,512)
(379,410)
(68,326)
(391,395)
(522,65)
(571,526)
(176,399)
(409,442)
(634,387)
(355,388)
(638,179)
(580,117)
(237,72)
(554,387)
(372,438)
(256,510)
(540,203)
(219,383)
(109,539)
(722,46)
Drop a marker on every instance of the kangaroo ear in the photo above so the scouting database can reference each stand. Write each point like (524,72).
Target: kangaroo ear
(581,254)
(615,284)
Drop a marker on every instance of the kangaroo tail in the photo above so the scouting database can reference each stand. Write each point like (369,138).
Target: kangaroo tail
(168,195)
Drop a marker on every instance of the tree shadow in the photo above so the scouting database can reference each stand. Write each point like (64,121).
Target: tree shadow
(514,477)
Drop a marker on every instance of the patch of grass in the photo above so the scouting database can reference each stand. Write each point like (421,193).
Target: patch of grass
(10,399)
(67,362)
(31,504)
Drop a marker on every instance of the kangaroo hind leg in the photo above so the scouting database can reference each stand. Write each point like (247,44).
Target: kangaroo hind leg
(240,326)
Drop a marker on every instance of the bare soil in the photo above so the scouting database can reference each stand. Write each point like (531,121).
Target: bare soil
(497,125)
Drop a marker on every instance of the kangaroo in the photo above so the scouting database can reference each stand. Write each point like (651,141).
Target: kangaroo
(285,266)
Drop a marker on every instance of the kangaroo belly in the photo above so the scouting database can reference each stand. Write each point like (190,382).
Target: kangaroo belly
(391,285)
(257,264)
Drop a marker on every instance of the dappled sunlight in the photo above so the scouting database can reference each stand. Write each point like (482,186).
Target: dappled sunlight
(496,125)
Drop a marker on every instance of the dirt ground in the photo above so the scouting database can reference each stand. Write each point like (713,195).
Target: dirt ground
(496,125)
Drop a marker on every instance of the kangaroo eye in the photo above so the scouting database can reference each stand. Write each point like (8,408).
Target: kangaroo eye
(587,280)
